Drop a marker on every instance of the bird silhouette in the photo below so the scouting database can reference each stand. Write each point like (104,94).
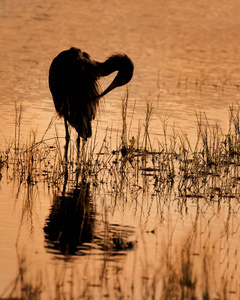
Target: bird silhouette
(73,82)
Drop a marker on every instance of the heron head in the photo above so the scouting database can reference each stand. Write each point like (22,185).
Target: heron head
(125,67)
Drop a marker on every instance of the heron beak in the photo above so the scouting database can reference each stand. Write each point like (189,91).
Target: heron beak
(112,86)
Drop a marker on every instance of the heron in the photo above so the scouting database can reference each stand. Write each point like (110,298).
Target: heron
(73,82)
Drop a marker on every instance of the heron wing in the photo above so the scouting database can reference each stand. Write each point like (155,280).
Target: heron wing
(73,82)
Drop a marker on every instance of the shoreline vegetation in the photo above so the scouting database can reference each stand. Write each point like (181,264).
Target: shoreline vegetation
(172,175)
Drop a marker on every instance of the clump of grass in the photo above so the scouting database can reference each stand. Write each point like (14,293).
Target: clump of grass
(208,170)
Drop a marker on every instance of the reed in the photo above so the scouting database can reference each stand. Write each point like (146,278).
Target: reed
(209,169)
(132,174)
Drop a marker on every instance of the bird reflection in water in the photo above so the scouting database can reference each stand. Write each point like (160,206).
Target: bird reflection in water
(71,221)
(74,228)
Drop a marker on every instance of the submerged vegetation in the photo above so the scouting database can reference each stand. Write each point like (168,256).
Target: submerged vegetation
(152,180)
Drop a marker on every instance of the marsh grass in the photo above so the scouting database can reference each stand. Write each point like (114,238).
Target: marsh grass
(136,173)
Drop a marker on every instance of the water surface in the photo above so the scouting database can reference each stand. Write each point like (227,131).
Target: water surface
(186,57)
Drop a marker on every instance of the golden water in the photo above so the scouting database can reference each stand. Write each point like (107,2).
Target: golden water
(186,57)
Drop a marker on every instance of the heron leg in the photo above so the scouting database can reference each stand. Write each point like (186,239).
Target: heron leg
(81,167)
(67,137)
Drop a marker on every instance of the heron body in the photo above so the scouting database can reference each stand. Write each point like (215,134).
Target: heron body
(73,82)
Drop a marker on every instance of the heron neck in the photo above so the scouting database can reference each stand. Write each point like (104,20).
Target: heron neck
(111,65)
